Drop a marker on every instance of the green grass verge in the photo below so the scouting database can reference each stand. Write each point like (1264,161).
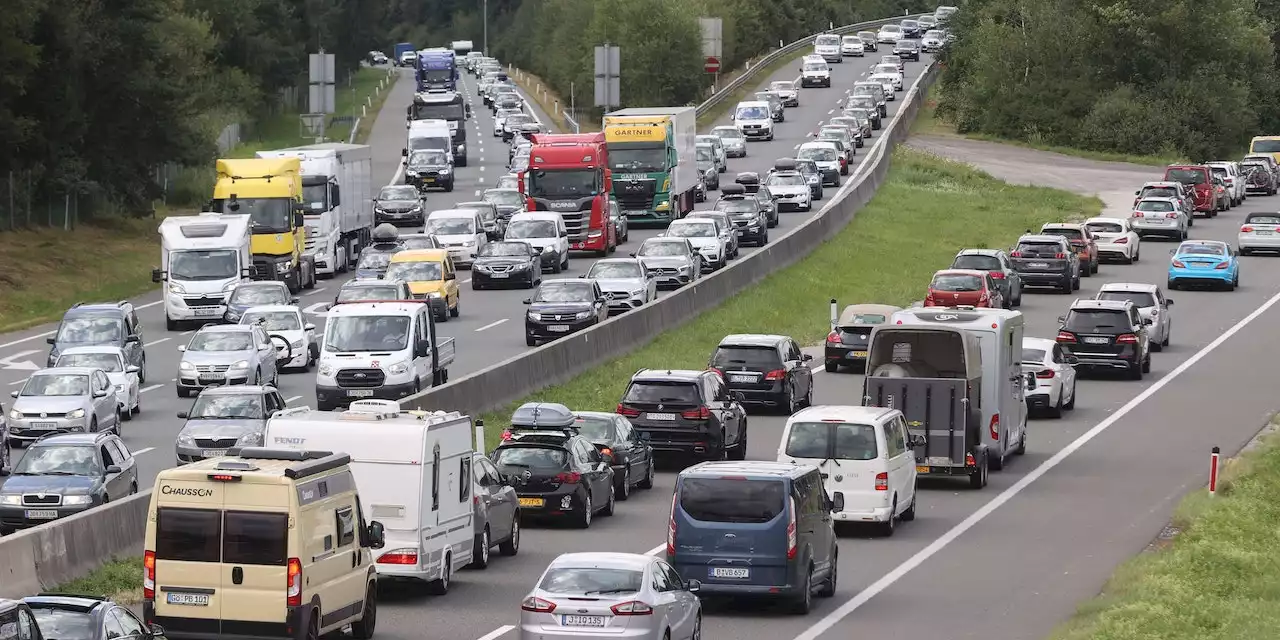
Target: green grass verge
(121,580)
(928,122)
(47,270)
(1217,579)
(926,210)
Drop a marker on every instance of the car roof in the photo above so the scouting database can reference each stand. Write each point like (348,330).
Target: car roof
(818,144)
(687,222)
(1161,183)
(667,375)
(753,103)
(621,260)
(1215,243)
(273,308)
(1043,344)
(603,559)
(369,282)
(604,415)
(1120,221)
(568,281)
(67,602)
(420,255)
(752,340)
(1135,287)
(1062,225)
(225,328)
(667,239)
(238,389)
(536,215)
(979,252)
(98,348)
(747,468)
(1040,237)
(451,213)
(1101,305)
(66,371)
(72,438)
(261,283)
(98,308)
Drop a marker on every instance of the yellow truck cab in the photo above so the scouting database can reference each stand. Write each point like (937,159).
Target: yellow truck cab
(431,276)
(1266,144)
(269,191)
(263,543)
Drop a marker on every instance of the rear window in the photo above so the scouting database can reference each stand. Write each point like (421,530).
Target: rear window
(1073,234)
(589,581)
(728,500)
(1138,298)
(865,319)
(532,457)
(255,538)
(1096,321)
(1159,192)
(1033,355)
(1155,205)
(1105,227)
(188,535)
(674,392)
(1262,219)
(56,624)
(594,427)
(1219,171)
(1186,176)
(956,282)
(210,535)
(828,440)
(981,263)
(746,356)
(1039,249)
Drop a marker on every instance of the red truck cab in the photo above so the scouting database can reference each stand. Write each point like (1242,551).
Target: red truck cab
(569,174)
(1198,179)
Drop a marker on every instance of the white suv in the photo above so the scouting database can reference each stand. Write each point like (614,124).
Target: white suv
(754,119)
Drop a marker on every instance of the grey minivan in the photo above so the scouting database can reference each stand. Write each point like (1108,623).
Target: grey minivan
(755,530)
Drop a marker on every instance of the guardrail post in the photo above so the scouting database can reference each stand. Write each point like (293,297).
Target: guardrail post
(480,437)
(1213,471)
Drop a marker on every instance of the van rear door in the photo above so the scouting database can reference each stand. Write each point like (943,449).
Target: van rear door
(188,554)
(255,558)
(850,456)
(732,530)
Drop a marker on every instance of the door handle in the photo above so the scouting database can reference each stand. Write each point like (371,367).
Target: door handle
(237,575)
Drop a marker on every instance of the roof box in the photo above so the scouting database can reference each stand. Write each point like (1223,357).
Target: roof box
(542,415)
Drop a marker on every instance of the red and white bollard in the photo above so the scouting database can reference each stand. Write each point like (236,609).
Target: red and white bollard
(1213,471)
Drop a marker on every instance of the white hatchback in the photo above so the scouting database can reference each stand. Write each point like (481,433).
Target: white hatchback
(1055,372)
(866,454)
(1116,239)
(705,237)
(113,362)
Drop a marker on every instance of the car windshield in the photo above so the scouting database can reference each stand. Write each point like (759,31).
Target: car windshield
(727,133)
(1186,176)
(1219,171)
(786,180)
(109,362)
(398,192)
(505,250)
(827,41)
(429,158)
(824,154)
(1095,321)
(891,28)
(419,241)
(507,182)
(737,205)
(705,154)
(368,292)
(751,357)
(565,292)
(591,580)
(1140,299)
(274,320)
(518,118)
(532,457)
(834,133)
(228,407)
(888,68)
(210,264)
(752,113)
(956,282)
(782,85)
(695,230)
(221,341)
(816,440)
(520,163)
(867,89)
(52,384)
(530,229)
(1159,192)
(815,66)
(1265,146)
(91,330)
(1033,355)
(59,460)
(419,271)
(616,270)
(450,226)
(61,624)
(862,102)
(934,33)
(256,295)
(1065,232)
(1155,205)
(663,249)
(594,427)
(978,262)
(367,333)
(574,183)
(1201,249)
(732,500)
(638,159)
(656,392)
(373,260)
(504,197)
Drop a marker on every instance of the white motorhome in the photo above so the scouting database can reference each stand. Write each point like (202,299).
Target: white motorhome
(462,47)
(413,472)
(385,350)
(429,134)
(202,257)
(337,191)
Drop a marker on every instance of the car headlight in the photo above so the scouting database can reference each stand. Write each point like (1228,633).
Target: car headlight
(14,414)
(462,148)
(120,388)
(397,368)
(11,499)
(685,269)
(186,366)
(411,174)
(186,440)
(434,294)
(284,267)
(296,344)
(582,315)
(250,440)
(75,413)
(536,317)
(238,365)
(325,370)
(76,500)
(445,171)
(174,287)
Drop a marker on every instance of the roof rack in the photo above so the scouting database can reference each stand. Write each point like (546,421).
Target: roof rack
(534,416)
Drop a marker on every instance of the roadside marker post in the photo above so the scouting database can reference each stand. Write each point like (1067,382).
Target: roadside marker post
(1213,471)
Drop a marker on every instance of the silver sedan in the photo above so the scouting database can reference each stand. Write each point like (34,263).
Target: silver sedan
(606,595)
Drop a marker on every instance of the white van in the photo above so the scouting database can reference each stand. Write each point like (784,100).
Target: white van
(546,232)
(865,454)
(461,231)
(413,471)
(754,119)
(429,134)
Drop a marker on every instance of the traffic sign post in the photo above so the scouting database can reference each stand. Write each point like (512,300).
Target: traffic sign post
(711,64)
(712,46)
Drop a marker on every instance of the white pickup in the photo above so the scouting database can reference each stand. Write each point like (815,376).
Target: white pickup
(445,352)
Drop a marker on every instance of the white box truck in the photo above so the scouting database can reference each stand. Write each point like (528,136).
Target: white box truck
(202,257)
(413,472)
(337,192)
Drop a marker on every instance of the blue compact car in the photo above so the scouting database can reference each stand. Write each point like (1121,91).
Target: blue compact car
(1204,262)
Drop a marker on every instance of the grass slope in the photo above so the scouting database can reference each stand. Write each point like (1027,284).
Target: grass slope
(48,270)
(1218,579)
(121,580)
(926,210)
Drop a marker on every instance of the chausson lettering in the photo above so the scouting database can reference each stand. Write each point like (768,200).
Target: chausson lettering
(170,490)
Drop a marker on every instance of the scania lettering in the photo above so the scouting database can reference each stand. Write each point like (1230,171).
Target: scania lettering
(569,174)
(270,193)
(201,258)
(653,157)
(449,106)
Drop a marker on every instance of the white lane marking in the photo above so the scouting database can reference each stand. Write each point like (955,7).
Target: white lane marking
(14,384)
(150,388)
(187,333)
(148,305)
(27,339)
(142,451)
(656,550)
(288,400)
(467,281)
(156,342)
(491,325)
(315,291)
(316,309)
(831,112)
(830,620)
(173,379)
(499,632)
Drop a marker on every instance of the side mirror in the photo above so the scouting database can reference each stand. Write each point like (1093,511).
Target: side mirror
(133,368)
(423,349)
(182,348)
(102,393)
(528,301)
(184,415)
(266,347)
(112,469)
(916,440)
(474,255)
(1062,319)
(293,301)
(837,502)
(309,326)
(806,357)
(155,630)
(157,275)
(404,153)
(1173,252)
(13,394)
(451,276)
(50,341)
(692,586)
(133,338)
(1073,360)
(377,535)
(1148,321)
(583,276)
(633,254)
(1168,302)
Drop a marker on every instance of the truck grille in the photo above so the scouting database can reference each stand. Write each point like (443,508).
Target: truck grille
(263,270)
(360,378)
(576,223)
(635,195)
(41,499)
(313,232)
(204,301)
(663,271)
(557,317)
(216,443)
(46,414)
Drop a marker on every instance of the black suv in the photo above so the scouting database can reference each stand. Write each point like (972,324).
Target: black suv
(63,475)
(1107,334)
(768,371)
(908,50)
(429,169)
(93,618)
(686,412)
(556,472)
(1046,261)
(563,306)
(506,263)
(750,223)
(105,324)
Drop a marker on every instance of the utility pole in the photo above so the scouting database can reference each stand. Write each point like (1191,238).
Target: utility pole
(485,19)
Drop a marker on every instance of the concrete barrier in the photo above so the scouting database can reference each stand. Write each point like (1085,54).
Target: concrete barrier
(44,557)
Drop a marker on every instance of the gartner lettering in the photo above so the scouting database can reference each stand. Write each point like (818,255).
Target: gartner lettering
(169,490)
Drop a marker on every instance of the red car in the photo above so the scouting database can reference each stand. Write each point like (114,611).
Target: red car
(963,287)
(1198,179)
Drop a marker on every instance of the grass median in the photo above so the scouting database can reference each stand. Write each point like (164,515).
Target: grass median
(926,210)
(120,580)
(1216,579)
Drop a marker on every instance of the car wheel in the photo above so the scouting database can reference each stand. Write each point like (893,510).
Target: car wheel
(649,473)
(622,487)
(1056,410)
(511,546)
(124,413)
(93,425)
(1071,404)
(584,518)
(480,553)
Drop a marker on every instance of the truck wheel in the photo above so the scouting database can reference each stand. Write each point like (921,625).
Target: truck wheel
(978,479)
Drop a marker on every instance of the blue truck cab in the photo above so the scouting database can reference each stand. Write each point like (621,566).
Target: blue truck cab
(437,69)
(755,529)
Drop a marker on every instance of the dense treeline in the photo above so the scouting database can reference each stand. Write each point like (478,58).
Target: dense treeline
(1190,78)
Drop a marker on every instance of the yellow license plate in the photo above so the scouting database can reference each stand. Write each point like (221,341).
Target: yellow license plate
(532,502)
(922,469)
(859,354)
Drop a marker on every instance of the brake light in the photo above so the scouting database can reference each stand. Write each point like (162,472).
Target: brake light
(1066,336)
(606,452)
(1122,241)
(1016,254)
(882,482)
(969,461)
(1222,265)
(994,428)
(776,374)
(1171,216)
(569,477)
(149,575)
(928,298)
(624,410)
(633,608)
(294,590)
(1059,256)
(1246,229)
(716,371)
(791,530)
(1127,338)
(537,605)
(833,337)
(671,528)
(399,556)
(1179,264)
(1047,374)
(998,275)
(506,434)
(701,413)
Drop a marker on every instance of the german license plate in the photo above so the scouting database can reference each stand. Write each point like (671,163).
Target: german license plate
(857,354)
(42,514)
(582,621)
(1263,232)
(428,180)
(360,393)
(532,502)
(206,313)
(212,377)
(44,425)
(742,378)
(741,232)
(730,572)
(188,599)
(922,468)
(1093,340)
(1039,265)
(499,275)
(559,328)
(213,453)
(660,416)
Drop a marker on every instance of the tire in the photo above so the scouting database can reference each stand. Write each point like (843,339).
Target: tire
(1056,410)
(313,629)
(1146,363)
(827,588)
(910,513)
(93,425)
(363,628)
(440,586)
(1067,287)
(804,603)
(1022,444)
(456,310)
(480,550)
(1072,404)
(125,415)
(739,451)
(584,518)
(622,486)
(511,546)
(979,479)
(888,527)
(1157,347)
(831,367)
(530,342)
(1171,285)
(1135,371)
(170,324)
(610,507)
(650,472)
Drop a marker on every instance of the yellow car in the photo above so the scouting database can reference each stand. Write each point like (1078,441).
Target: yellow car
(431,276)
(1266,144)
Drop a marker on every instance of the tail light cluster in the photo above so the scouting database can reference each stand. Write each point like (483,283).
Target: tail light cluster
(1047,374)
(537,605)
(1171,216)
(1246,229)
(833,337)
(407,557)
(569,477)
(791,530)
(1127,338)
(624,410)
(994,427)
(1059,256)
(1122,241)
(1067,337)
(632,608)
(701,413)
(294,591)
(776,374)
(882,482)
(1179,264)
(1016,254)
(1222,265)
(998,275)
(149,575)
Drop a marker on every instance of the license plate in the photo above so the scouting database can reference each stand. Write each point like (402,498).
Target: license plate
(582,621)
(213,453)
(42,514)
(742,378)
(532,502)
(741,232)
(857,354)
(360,393)
(1039,265)
(212,377)
(206,313)
(660,416)
(44,425)
(1097,340)
(922,468)
(561,328)
(499,275)
(188,599)
(1263,232)
(428,180)
(730,572)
